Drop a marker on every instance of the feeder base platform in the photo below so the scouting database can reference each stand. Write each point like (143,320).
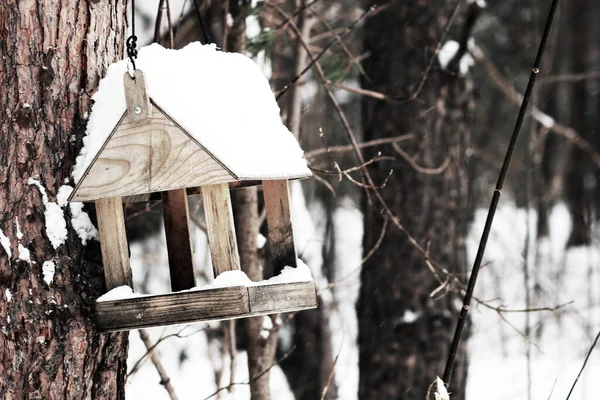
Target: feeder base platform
(204,305)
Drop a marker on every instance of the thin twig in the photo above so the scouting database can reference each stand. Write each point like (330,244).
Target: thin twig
(158,21)
(417,167)
(164,378)
(314,60)
(462,319)
(138,363)
(544,119)
(330,378)
(363,145)
(584,363)
(257,377)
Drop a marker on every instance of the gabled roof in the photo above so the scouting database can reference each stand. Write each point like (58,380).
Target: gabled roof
(221,100)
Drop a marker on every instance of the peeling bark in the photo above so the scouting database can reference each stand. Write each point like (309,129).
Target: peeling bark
(53,55)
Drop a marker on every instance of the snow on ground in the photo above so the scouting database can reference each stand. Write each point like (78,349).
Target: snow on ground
(560,340)
(497,368)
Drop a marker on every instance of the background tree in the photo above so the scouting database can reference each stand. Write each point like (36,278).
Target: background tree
(404,333)
(53,55)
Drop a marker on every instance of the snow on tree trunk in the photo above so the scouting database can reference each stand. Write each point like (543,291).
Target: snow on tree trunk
(53,55)
(404,335)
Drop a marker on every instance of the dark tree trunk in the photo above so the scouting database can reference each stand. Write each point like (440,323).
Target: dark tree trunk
(404,335)
(53,55)
(580,171)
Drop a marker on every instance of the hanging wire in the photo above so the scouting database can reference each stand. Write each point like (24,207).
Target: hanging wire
(207,39)
(132,40)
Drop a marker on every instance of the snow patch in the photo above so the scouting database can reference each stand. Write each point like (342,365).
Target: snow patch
(260,241)
(118,293)
(266,327)
(19,233)
(5,242)
(82,224)
(62,197)
(228,81)
(24,253)
(56,226)
(48,269)
(447,54)
(226,279)
(8,295)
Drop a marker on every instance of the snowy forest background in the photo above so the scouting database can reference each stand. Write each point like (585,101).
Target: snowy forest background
(512,355)
(434,140)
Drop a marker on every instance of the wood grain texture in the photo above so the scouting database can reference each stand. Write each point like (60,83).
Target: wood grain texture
(205,305)
(190,192)
(179,244)
(113,242)
(284,297)
(220,228)
(280,236)
(172,308)
(154,155)
(136,97)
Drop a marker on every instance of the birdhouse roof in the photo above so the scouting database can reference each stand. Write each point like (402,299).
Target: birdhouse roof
(222,101)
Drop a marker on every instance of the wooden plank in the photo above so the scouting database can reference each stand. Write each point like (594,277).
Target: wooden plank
(138,102)
(113,242)
(172,308)
(220,228)
(179,244)
(191,191)
(205,305)
(152,156)
(280,236)
(283,297)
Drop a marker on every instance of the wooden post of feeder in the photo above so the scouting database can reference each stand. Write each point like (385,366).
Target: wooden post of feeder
(113,242)
(279,224)
(179,246)
(220,228)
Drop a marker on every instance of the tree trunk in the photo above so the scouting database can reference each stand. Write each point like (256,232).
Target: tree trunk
(580,172)
(404,334)
(261,351)
(53,55)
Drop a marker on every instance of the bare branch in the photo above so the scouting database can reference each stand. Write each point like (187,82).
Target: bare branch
(164,378)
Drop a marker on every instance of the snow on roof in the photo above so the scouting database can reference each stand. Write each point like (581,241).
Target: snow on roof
(221,99)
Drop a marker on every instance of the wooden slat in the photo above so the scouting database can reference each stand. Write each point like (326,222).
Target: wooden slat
(113,242)
(220,229)
(172,308)
(152,156)
(191,191)
(284,297)
(279,225)
(136,97)
(206,305)
(179,245)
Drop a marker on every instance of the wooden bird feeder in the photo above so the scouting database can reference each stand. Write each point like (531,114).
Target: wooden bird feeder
(150,153)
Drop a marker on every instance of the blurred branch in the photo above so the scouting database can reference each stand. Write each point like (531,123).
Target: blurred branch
(164,378)
(314,60)
(544,119)
(363,145)
(228,387)
(570,78)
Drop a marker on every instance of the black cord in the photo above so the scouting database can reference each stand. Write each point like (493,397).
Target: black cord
(132,40)
(206,37)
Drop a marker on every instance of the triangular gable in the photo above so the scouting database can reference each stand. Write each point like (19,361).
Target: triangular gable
(152,156)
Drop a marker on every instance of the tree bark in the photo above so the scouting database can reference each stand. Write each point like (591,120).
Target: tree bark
(404,334)
(53,55)
(261,351)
